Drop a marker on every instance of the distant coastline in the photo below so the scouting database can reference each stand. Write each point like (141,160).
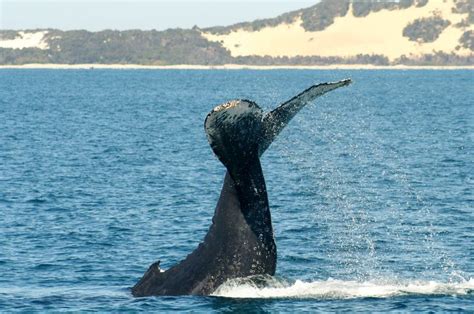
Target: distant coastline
(409,34)
(233,67)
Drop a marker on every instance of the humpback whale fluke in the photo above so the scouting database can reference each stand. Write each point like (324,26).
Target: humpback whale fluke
(240,241)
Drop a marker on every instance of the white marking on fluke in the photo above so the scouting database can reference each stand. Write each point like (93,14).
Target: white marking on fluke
(228,113)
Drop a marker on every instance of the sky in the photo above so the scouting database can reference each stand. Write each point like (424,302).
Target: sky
(140,14)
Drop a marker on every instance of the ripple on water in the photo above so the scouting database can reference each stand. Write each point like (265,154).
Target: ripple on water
(104,172)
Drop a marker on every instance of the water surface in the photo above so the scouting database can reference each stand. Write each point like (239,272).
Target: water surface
(103,172)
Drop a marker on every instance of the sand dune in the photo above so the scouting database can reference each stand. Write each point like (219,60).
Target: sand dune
(377,33)
(26,40)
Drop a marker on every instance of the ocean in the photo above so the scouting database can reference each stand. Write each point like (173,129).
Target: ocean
(103,172)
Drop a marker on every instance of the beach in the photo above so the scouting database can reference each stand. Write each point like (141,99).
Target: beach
(232,67)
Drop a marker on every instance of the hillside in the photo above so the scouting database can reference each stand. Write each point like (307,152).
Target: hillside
(412,32)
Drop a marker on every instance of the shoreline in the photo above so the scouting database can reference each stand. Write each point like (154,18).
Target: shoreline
(232,67)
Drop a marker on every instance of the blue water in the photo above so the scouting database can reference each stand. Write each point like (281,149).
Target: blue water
(103,172)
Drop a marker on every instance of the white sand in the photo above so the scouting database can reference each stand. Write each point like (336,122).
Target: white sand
(230,67)
(26,40)
(378,33)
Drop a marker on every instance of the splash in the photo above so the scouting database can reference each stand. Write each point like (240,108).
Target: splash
(338,289)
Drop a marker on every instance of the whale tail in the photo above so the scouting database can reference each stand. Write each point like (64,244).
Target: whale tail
(277,119)
(234,131)
(240,241)
(236,128)
(239,132)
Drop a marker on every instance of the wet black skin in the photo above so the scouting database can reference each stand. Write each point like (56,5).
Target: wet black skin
(240,241)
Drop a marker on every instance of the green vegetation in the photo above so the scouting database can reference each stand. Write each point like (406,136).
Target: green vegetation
(437,58)
(425,30)
(320,16)
(467,40)
(175,46)
(463,7)
(23,56)
(134,46)
(311,60)
(363,8)
(8,34)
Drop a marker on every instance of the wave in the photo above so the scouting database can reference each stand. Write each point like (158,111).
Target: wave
(63,292)
(271,287)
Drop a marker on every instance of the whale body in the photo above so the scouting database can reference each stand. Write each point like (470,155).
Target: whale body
(240,240)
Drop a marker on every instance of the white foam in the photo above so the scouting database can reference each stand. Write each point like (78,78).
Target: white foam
(339,289)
